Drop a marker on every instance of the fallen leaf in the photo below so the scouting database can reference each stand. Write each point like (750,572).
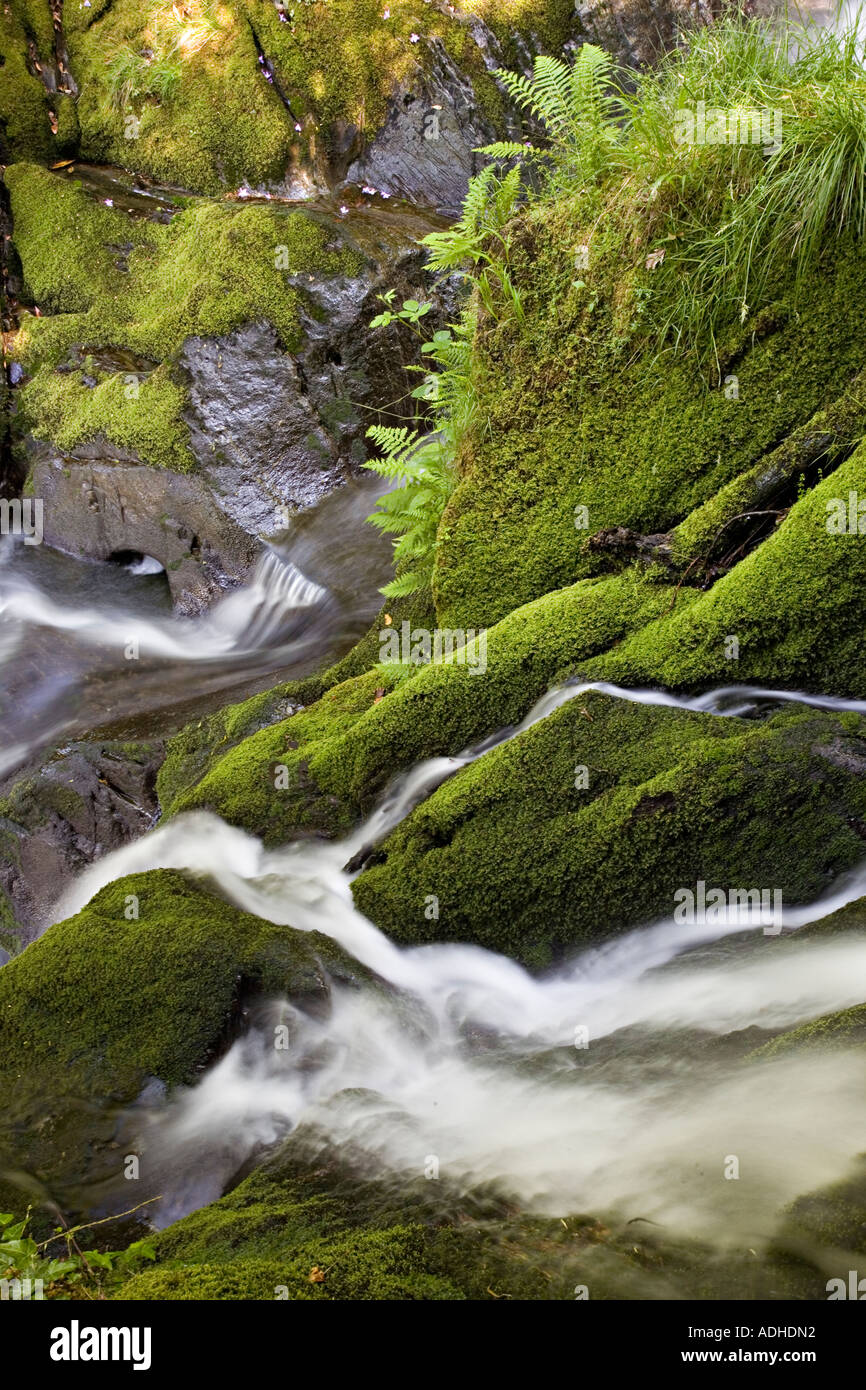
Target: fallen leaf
(388,620)
(317,1276)
(655,258)
(63,163)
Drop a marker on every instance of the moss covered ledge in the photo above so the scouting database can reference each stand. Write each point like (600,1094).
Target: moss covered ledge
(147,981)
(590,821)
(104,280)
(340,753)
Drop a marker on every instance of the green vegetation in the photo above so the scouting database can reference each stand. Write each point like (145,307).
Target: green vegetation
(24,129)
(304,1228)
(109,280)
(794,607)
(662,315)
(186,99)
(340,753)
(528,859)
(146,981)
(74,1273)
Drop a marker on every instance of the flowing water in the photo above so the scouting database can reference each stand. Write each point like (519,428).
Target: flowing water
(88,646)
(467,1058)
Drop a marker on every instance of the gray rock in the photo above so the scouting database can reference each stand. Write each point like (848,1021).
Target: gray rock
(426,150)
(271,433)
(101,502)
(639,32)
(84,801)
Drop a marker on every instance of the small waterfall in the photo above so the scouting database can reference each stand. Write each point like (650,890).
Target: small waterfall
(399,1075)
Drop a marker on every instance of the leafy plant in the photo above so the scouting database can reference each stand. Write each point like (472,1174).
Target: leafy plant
(420,463)
(422,468)
(577,105)
(480,239)
(75,1273)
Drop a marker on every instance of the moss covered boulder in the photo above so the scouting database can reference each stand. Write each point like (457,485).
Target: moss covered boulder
(191,385)
(592,820)
(295,97)
(338,755)
(148,982)
(307,1227)
(589,427)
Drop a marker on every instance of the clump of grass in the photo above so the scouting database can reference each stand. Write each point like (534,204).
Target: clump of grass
(741,216)
(726,221)
(172,34)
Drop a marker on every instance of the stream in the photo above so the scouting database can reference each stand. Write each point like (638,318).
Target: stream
(605,1084)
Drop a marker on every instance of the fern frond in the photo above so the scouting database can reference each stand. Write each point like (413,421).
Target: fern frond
(508,149)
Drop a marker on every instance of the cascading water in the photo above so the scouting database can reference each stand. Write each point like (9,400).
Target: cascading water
(436,1062)
(88,645)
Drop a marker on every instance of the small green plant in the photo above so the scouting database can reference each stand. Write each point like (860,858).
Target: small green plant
(421,462)
(477,244)
(171,37)
(579,108)
(422,469)
(28,1270)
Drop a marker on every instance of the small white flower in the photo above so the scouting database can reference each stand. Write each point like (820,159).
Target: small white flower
(367,189)
(109,202)
(414,38)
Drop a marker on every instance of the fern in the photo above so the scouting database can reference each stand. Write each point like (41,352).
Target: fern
(578,107)
(421,464)
(480,239)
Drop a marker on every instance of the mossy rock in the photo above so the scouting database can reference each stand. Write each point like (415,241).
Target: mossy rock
(587,425)
(300,1230)
(25,132)
(790,614)
(204,116)
(105,1000)
(519,860)
(108,280)
(340,753)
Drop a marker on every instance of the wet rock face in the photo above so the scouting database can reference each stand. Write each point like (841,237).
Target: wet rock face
(253,429)
(102,505)
(273,433)
(85,801)
(426,151)
(275,421)
(638,32)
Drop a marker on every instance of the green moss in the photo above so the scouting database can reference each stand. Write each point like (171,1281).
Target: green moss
(408,1239)
(101,1002)
(342,752)
(220,123)
(109,280)
(794,608)
(208,119)
(149,423)
(580,411)
(523,862)
(833,1218)
(25,132)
